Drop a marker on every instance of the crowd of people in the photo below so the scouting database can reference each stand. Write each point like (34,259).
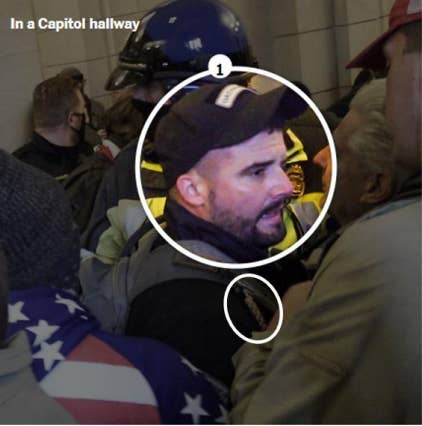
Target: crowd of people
(103,321)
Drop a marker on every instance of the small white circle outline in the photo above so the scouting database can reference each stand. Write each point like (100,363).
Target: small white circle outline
(214,263)
(280,309)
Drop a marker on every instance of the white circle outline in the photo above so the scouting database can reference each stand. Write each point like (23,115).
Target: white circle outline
(280,309)
(204,260)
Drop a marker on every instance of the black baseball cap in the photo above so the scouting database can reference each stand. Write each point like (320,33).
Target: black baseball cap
(218,116)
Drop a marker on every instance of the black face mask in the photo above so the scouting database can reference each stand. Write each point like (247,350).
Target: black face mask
(146,108)
(81,131)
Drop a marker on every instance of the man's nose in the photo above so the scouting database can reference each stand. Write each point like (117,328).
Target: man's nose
(282,186)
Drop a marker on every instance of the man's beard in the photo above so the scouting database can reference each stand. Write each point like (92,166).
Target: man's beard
(246,229)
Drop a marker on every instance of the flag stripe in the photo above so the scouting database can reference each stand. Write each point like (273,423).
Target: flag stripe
(92,349)
(84,380)
(103,412)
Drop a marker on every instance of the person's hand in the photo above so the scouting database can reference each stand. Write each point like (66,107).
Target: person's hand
(102,133)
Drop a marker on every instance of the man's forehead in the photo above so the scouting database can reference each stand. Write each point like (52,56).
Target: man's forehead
(262,147)
(265,139)
(259,141)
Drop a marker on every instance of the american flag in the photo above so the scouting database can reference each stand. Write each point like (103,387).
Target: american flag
(108,379)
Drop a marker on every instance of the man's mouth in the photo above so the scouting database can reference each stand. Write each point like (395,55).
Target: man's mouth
(273,212)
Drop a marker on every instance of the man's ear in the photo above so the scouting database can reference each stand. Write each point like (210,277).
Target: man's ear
(71,120)
(378,188)
(191,189)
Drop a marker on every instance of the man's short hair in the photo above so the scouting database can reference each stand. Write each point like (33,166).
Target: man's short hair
(73,73)
(53,100)
(372,142)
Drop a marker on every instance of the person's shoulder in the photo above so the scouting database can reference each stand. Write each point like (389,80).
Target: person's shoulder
(24,151)
(378,242)
(128,151)
(125,159)
(32,155)
(394,214)
(97,164)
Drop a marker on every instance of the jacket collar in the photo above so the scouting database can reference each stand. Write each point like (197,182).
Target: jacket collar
(46,146)
(182,225)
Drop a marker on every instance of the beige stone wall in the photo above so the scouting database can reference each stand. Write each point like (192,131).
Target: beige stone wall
(306,40)
(313,40)
(20,71)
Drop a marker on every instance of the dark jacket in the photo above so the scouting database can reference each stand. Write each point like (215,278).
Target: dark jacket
(187,313)
(57,161)
(119,183)
(82,185)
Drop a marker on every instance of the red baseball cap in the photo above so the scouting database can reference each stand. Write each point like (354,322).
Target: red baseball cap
(403,12)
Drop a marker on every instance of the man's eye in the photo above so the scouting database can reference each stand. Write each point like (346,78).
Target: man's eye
(258,172)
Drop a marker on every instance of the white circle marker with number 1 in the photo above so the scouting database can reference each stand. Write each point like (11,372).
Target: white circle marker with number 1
(220,66)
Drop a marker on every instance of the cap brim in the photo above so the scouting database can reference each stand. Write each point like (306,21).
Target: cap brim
(372,56)
(282,100)
(291,104)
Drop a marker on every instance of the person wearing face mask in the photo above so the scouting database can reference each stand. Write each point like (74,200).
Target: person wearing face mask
(123,123)
(57,144)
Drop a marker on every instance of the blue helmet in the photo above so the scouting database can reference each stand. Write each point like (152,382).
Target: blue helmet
(176,39)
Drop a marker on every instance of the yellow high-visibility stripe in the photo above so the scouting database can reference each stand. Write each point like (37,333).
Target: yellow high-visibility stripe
(314,197)
(151,166)
(297,152)
(291,237)
(156,205)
